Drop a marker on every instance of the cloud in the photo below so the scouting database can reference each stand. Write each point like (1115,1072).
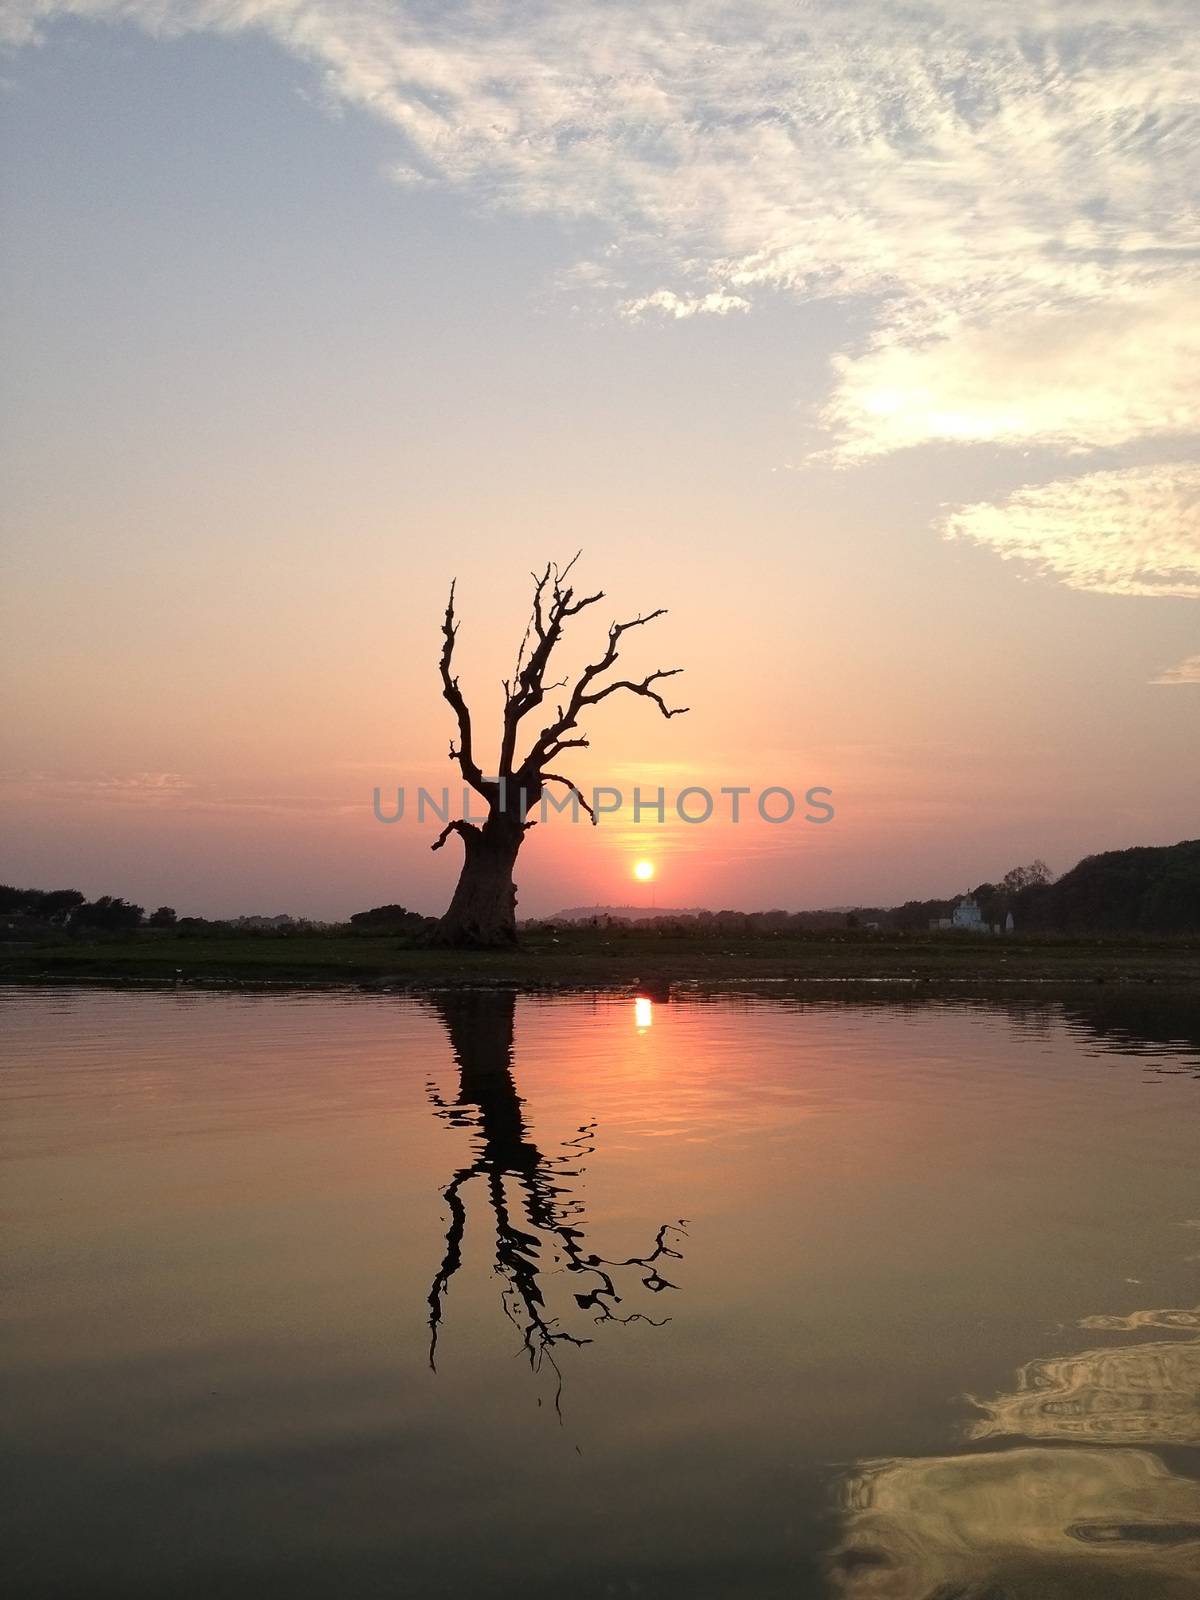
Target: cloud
(967,157)
(1131,532)
(406,177)
(1006,189)
(672,305)
(169,791)
(1187,671)
(1097,377)
(136,786)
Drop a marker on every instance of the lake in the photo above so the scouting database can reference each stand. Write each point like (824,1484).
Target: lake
(317,1295)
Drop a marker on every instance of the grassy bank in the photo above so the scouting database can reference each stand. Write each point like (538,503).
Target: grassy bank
(587,959)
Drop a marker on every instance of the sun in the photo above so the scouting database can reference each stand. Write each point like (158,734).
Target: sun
(644,870)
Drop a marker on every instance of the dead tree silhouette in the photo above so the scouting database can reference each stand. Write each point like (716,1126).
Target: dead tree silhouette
(532,1203)
(483,908)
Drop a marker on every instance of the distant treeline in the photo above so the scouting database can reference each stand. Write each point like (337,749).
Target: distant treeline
(66,913)
(1146,890)
(68,908)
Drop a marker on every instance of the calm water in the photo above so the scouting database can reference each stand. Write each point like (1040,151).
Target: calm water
(348,1296)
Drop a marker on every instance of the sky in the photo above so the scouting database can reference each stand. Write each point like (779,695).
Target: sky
(861,337)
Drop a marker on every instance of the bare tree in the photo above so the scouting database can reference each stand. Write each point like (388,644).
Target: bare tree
(483,909)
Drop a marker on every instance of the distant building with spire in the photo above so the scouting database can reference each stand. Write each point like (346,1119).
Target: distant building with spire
(967,917)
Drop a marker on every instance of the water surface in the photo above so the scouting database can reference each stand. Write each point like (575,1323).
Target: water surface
(336,1295)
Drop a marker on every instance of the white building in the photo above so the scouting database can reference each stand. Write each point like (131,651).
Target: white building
(968,916)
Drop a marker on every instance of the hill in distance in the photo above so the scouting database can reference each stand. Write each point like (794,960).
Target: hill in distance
(1149,889)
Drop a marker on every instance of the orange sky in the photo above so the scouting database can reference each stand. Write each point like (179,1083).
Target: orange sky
(184,785)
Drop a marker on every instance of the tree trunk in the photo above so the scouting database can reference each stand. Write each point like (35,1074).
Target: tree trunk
(483,911)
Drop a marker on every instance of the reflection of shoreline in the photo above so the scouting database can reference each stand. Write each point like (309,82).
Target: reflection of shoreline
(1058,1520)
(1145,1319)
(1027,1524)
(1158,1027)
(1138,1394)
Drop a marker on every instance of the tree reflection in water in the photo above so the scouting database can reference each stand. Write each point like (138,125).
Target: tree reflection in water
(531,1198)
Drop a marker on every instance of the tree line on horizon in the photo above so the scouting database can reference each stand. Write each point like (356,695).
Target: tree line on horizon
(1149,889)
(71,909)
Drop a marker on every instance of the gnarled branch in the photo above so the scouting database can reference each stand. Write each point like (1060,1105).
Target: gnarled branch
(553,602)
(643,688)
(550,741)
(557,777)
(463,829)
(464,755)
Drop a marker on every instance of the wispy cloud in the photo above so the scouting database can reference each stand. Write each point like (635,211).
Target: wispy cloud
(167,791)
(1132,532)
(1187,671)
(135,787)
(1008,185)
(670,304)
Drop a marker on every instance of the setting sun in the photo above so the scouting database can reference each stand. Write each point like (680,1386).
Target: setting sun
(644,870)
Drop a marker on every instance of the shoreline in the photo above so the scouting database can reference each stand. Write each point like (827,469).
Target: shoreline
(625,964)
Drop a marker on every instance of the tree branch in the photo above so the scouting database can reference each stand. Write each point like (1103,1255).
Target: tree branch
(642,688)
(464,755)
(567,744)
(557,777)
(528,687)
(550,741)
(463,829)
